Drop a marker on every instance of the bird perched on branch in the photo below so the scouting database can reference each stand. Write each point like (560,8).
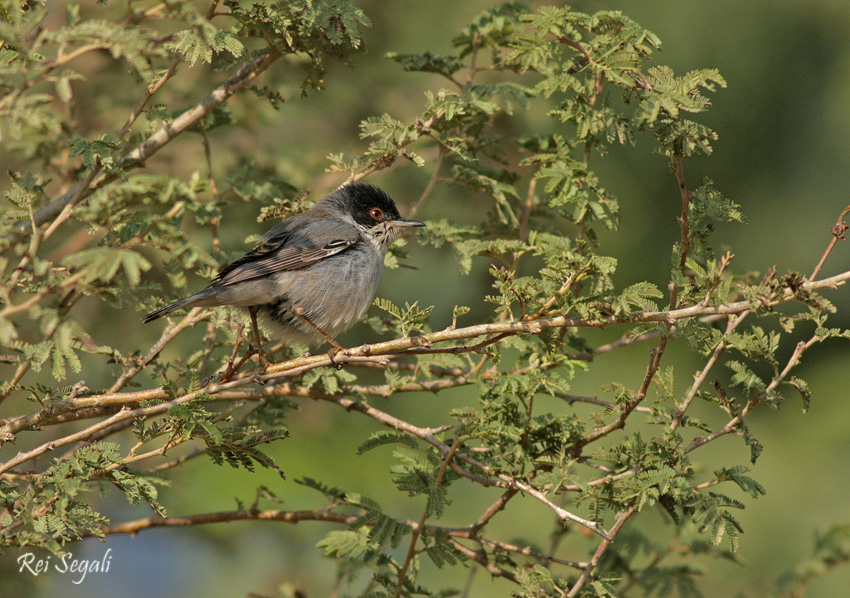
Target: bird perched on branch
(314,275)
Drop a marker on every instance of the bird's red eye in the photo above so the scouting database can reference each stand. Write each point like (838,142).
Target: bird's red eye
(377,214)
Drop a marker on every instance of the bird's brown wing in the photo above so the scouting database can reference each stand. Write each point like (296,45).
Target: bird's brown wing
(291,245)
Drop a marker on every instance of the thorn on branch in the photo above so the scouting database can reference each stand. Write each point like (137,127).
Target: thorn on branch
(839,229)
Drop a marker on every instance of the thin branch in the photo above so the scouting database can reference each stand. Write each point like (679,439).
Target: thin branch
(480,557)
(838,231)
(432,181)
(67,303)
(496,507)
(568,284)
(60,61)
(411,552)
(323,515)
(23,457)
(679,170)
(494,478)
(526,209)
(383,351)
(149,92)
(422,128)
(699,379)
(193,317)
(532,553)
(601,481)
(600,550)
(134,527)
(427,434)
(732,424)
(473,59)
(626,410)
(593,401)
(249,71)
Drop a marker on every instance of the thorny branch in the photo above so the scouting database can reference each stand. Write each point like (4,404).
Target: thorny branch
(838,231)
(321,515)
(383,351)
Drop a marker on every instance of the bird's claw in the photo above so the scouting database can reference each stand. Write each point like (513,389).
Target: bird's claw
(336,350)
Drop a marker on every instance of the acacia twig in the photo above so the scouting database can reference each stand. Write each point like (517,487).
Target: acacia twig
(249,71)
(838,231)
(733,323)
(733,423)
(411,552)
(600,550)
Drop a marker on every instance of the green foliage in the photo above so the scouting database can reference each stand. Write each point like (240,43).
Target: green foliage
(98,151)
(428,63)
(406,320)
(517,118)
(52,510)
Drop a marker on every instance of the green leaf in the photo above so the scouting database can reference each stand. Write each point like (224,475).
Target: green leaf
(95,151)
(427,62)
(339,543)
(103,264)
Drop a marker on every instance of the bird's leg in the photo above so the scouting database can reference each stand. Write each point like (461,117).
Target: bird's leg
(335,346)
(257,341)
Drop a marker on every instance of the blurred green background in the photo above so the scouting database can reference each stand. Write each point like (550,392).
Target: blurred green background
(783,124)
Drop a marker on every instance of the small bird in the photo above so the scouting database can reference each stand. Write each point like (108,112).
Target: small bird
(315,274)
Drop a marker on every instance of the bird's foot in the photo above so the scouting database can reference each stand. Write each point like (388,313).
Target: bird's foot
(337,349)
(262,365)
(262,360)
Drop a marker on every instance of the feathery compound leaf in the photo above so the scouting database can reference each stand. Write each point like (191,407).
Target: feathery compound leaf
(386,529)
(95,151)
(444,554)
(384,437)
(103,264)
(359,500)
(427,62)
(339,543)
(803,388)
(499,190)
(493,27)
(331,492)
(745,377)
(744,482)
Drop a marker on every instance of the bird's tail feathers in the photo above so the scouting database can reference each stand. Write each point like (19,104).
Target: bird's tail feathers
(190,301)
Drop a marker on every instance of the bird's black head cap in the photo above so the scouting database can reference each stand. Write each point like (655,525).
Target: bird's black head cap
(367,204)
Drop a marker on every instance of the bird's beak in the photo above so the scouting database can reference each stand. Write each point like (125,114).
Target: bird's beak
(404,222)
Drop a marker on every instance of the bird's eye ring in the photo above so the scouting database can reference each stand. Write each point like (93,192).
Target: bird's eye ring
(377,214)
